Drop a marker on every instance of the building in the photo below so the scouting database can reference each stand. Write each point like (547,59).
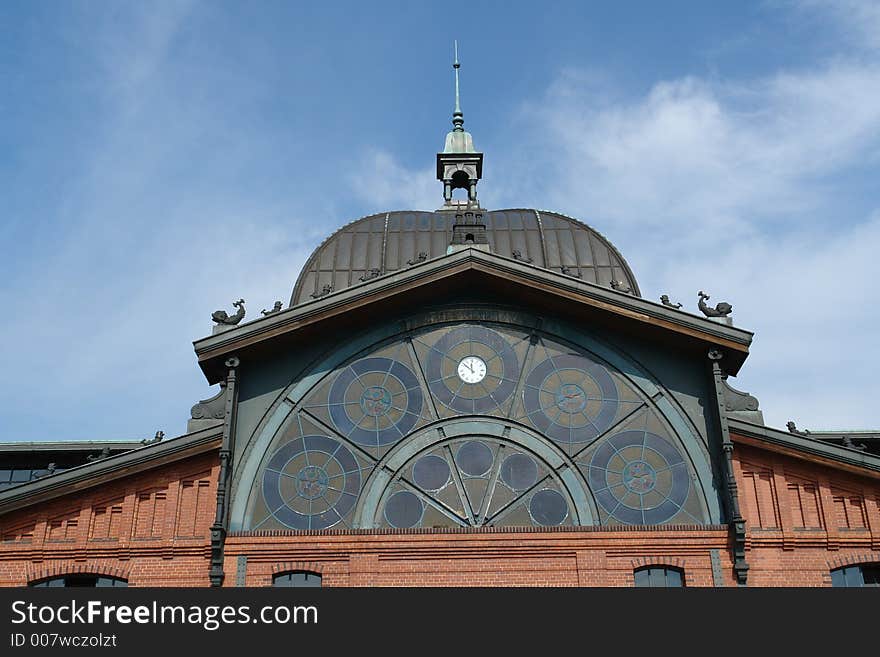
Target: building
(457,397)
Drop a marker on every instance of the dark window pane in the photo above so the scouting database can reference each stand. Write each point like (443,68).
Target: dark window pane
(838,578)
(853,576)
(86,581)
(643,577)
(110,581)
(674,578)
(658,578)
(21,475)
(871,575)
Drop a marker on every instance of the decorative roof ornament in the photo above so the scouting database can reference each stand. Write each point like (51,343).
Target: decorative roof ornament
(459,166)
(722,309)
(848,443)
(621,286)
(155,439)
(104,453)
(792,428)
(275,309)
(222,317)
(327,289)
(664,299)
(457,114)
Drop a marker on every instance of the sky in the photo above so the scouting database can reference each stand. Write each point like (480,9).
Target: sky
(160,160)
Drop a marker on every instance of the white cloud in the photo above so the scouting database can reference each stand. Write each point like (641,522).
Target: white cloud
(736,188)
(384,184)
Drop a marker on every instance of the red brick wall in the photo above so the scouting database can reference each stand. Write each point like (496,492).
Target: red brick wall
(583,557)
(804,519)
(151,528)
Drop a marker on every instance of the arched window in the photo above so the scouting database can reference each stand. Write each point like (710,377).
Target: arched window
(866,574)
(298,578)
(79,579)
(659,576)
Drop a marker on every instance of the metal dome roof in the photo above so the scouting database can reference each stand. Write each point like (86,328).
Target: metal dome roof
(389,241)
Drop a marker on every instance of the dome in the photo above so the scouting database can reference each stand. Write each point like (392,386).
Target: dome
(390,241)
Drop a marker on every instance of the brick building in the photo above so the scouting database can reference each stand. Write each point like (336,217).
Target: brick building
(458,397)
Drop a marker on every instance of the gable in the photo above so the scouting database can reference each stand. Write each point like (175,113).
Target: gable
(472,275)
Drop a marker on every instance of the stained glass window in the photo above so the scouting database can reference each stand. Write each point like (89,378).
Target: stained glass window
(475,481)
(557,435)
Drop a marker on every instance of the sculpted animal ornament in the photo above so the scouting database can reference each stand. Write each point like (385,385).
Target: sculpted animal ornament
(792,428)
(275,309)
(105,453)
(327,289)
(664,299)
(221,317)
(848,442)
(620,286)
(156,439)
(723,309)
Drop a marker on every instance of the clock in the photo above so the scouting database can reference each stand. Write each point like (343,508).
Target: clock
(472,369)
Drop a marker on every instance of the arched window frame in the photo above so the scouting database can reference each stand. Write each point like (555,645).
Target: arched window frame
(298,579)
(85,580)
(658,576)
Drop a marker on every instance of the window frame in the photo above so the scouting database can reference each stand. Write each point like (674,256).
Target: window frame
(654,573)
(853,576)
(307,581)
(78,580)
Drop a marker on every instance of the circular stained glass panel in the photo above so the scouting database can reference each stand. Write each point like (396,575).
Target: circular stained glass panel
(311,483)
(431,472)
(639,478)
(519,471)
(375,401)
(548,508)
(474,458)
(472,369)
(404,510)
(570,398)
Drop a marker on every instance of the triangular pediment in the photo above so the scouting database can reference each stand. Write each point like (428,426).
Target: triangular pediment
(475,273)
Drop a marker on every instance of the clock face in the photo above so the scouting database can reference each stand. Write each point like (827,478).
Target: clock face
(471,369)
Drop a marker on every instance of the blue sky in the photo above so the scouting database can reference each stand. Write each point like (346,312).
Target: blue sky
(159,160)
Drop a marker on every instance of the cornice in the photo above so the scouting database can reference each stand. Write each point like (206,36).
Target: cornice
(108,469)
(590,295)
(784,442)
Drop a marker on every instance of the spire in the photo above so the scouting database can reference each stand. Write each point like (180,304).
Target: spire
(459,166)
(457,115)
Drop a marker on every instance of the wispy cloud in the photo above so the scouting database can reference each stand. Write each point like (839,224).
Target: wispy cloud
(151,243)
(383,184)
